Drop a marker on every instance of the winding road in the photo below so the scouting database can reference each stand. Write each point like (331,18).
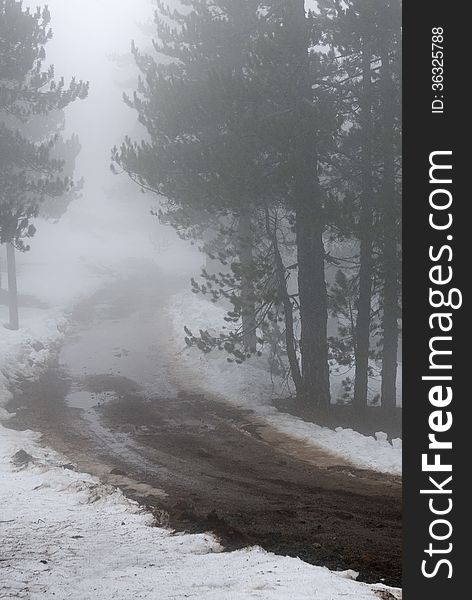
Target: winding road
(121,405)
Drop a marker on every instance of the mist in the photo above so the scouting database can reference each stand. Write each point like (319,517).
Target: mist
(86,37)
(200,299)
(110,222)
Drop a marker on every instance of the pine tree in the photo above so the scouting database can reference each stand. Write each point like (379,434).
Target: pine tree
(50,127)
(390,56)
(203,134)
(234,124)
(302,125)
(28,172)
(356,29)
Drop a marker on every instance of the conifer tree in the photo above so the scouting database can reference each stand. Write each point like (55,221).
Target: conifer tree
(357,30)
(390,103)
(234,124)
(28,171)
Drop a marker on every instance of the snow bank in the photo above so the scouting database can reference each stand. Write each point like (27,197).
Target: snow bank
(65,535)
(26,352)
(251,386)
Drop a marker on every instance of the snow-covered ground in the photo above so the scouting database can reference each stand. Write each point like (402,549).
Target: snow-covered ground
(251,386)
(64,534)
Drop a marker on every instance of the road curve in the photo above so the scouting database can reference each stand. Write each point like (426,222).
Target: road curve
(116,406)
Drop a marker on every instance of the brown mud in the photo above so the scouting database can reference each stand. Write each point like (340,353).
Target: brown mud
(202,465)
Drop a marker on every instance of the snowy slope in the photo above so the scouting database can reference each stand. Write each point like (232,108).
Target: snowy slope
(24,353)
(251,386)
(66,536)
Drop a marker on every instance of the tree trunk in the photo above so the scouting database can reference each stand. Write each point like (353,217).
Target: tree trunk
(309,220)
(288,309)
(390,241)
(248,311)
(12,288)
(313,305)
(364,303)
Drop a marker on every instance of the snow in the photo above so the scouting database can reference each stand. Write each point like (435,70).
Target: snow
(67,536)
(25,352)
(64,534)
(251,386)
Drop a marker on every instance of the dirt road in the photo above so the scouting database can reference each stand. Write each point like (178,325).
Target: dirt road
(119,405)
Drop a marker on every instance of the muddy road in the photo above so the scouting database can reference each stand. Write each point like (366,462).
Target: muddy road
(119,404)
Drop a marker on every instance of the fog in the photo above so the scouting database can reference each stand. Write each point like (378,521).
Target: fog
(109,230)
(197,324)
(111,221)
(87,33)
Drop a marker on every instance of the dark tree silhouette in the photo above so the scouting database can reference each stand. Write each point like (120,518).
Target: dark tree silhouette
(28,171)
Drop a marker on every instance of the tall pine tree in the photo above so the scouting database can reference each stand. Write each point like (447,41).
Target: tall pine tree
(28,171)
(234,123)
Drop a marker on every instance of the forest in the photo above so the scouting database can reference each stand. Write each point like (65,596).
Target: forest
(201,298)
(274,138)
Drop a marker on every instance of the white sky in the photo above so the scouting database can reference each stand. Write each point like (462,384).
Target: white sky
(86,32)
